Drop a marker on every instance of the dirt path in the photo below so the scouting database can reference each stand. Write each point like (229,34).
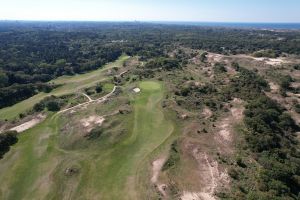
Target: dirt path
(27,125)
(87,96)
(99,100)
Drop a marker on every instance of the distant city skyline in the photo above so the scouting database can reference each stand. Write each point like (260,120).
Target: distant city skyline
(263,11)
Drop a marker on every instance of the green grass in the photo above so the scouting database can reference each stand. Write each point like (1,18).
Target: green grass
(108,87)
(35,167)
(71,84)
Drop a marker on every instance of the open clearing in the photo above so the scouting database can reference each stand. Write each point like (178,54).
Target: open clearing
(38,168)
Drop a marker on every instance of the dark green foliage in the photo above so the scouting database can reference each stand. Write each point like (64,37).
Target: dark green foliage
(297,108)
(269,125)
(203,57)
(52,103)
(236,66)
(266,53)
(233,173)
(163,63)
(297,67)
(15,93)
(219,68)
(285,82)
(270,135)
(3,79)
(246,84)
(99,88)
(7,139)
(185,91)
(95,133)
(240,162)
(174,157)
(35,52)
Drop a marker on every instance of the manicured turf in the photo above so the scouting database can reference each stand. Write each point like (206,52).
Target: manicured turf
(36,166)
(71,84)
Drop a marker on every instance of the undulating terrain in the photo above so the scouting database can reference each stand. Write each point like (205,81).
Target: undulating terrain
(148,111)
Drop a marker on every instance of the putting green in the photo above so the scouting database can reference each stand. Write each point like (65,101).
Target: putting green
(36,167)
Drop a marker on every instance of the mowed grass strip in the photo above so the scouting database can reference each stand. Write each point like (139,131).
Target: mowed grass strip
(70,85)
(150,130)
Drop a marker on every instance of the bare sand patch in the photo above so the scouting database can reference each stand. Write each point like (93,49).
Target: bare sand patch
(27,125)
(213,57)
(271,61)
(92,121)
(196,196)
(156,169)
(295,85)
(230,70)
(207,113)
(275,61)
(224,136)
(274,87)
(137,90)
(212,176)
(258,59)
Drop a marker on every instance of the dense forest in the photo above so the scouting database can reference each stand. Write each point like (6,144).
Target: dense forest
(32,53)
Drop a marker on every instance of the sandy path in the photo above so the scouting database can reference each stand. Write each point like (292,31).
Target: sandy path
(100,100)
(27,125)
(88,97)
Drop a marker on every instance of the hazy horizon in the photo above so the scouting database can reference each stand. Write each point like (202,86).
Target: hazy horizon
(230,11)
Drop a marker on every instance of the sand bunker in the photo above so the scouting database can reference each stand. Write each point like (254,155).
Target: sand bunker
(27,125)
(137,90)
(92,121)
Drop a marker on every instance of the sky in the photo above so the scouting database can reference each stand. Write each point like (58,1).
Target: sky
(153,10)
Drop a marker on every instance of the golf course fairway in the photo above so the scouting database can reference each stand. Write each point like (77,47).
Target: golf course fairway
(69,85)
(36,166)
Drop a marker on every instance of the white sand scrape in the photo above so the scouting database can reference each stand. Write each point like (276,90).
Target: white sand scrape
(137,90)
(215,57)
(27,125)
(207,113)
(271,61)
(210,174)
(156,169)
(274,87)
(196,196)
(91,121)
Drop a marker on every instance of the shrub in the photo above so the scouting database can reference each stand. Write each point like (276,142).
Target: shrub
(173,158)
(7,139)
(53,105)
(95,133)
(99,88)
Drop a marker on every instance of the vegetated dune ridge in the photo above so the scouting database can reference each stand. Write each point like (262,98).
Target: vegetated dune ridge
(37,168)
